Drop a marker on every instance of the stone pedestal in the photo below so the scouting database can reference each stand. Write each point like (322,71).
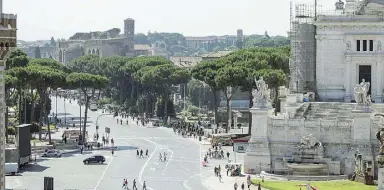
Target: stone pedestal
(258,154)
(380,172)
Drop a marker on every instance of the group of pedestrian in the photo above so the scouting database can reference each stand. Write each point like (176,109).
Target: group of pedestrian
(249,183)
(134,187)
(217,171)
(161,158)
(139,154)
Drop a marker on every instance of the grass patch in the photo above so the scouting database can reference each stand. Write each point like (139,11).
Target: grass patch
(321,185)
(51,127)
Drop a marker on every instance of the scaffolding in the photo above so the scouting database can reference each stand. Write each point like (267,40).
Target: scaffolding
(303,48)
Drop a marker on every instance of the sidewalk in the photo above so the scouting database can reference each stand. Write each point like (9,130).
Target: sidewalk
(227,183)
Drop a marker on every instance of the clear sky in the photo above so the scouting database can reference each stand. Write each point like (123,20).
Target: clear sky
(41,19)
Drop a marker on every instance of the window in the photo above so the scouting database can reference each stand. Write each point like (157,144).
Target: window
(370,45)
(358,45)
(364,45)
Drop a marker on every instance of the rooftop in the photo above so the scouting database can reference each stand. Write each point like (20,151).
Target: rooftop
(216,54)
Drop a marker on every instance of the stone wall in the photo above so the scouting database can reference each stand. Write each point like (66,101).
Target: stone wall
(336,135)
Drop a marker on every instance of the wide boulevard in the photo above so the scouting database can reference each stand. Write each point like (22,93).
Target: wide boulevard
(181,170)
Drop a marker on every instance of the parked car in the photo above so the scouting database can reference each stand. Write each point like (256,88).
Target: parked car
(94,159)
(52,153)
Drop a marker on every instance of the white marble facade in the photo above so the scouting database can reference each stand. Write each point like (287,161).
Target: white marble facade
(338,58)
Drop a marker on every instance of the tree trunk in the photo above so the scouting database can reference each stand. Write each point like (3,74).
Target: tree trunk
(6,124)
(20,104)
(132,89)
(87,100)
(250,114)
(46,96)
(276,99)
(229,119)
(166,98)
(98,96)
(32,106)
(41,114)
(121,94)
(215,107)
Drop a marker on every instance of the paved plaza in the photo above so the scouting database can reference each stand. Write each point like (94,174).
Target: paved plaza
(181,170)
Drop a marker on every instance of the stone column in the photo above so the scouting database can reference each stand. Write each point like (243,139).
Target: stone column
(258,154)
(380,172)
(348,93)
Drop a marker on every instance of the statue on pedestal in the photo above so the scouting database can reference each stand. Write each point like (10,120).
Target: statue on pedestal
(361,93)
(380,137)
(358,163)
(260,94)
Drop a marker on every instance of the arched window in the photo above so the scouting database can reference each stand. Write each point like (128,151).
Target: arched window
(89,51)
(93,51)
(97,52)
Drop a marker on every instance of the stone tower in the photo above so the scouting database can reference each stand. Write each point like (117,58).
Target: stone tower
(7,44)
(129,27)
(239,38)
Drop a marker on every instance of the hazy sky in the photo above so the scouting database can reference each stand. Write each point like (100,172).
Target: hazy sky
(41,19)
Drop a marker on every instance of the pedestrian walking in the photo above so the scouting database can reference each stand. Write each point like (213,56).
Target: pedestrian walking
(146,153)
(220,177)
(134,185)
(113,152)
(259,186)
(144,186)
(141,153)
(242,186)
(235,186)
(124,184)
(137,153)
(249,184)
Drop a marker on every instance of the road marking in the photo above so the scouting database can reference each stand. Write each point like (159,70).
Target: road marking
(146,163)
(166,165)
(103,174)
(185,184)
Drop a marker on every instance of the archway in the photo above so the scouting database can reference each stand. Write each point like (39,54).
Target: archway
(93,51)
(89,51)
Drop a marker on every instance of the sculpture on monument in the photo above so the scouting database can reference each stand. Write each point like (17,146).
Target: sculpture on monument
(309,142)
(380,137)
(358,163)
(361,93)
(260,94)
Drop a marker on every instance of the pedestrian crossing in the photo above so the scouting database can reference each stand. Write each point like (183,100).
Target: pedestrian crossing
(140,138)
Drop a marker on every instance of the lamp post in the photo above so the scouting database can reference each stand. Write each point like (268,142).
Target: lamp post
(65,111)
(97,120)
(56,111)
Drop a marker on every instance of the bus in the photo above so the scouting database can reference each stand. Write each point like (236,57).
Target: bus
(93,106)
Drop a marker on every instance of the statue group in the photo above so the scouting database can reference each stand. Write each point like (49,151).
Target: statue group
(361,93)
(260,94)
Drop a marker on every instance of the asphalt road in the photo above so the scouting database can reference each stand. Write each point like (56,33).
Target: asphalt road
(181,170)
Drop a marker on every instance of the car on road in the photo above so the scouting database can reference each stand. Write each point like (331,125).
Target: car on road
(94,159)
(52,153)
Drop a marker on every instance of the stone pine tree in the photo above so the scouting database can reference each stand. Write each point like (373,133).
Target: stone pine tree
(37,52)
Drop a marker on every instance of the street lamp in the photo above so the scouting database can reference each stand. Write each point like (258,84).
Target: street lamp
(97,120)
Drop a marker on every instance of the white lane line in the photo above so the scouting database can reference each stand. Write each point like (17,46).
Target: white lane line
(147,162)
(166,165)
(185,184)
(103,174)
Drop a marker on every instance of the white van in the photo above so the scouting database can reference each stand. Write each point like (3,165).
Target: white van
(11,168)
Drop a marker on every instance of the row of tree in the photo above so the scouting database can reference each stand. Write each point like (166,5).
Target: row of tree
(145,84)
(238,71)
(38,77)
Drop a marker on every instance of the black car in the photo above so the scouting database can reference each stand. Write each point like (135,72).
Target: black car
(94,159)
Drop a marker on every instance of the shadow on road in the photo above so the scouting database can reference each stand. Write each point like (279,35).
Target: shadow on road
(69,154)
(120,148)
(33,168)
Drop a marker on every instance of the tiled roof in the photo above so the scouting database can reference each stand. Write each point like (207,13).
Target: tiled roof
(142,47)
(186,61)
(216,54)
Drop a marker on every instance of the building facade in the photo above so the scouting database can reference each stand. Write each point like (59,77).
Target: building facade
(8,42)
(337,51)
(108,43)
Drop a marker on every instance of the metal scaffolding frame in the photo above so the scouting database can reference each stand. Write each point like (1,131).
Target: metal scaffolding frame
(303,48)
